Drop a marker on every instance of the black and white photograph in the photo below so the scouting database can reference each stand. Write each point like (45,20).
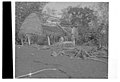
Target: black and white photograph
(61,40)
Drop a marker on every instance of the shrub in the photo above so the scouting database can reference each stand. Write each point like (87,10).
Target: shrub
(23,38)
(38,39)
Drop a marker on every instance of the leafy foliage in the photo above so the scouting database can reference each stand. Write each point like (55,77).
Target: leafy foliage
(38,39)
(78,16)
(23,39)
(81,19)
(23,9)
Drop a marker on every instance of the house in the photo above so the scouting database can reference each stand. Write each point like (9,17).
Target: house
(53,32)
(62,34)
(52,29)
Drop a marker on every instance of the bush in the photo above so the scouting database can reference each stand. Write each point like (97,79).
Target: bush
(22,37)
(17,39)
(42,40)
(89,37)
(38,39)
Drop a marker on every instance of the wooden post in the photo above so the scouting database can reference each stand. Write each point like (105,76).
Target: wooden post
(28,39)
(48,40)
(73,37)
(22,41)
(61,39)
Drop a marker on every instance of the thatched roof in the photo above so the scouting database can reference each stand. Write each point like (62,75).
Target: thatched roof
(32,24)
(54,29)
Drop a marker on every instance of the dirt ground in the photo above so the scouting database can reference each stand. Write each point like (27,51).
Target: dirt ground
(30,60)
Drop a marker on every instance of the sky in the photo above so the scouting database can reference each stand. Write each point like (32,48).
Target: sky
(58,6)
(61,5)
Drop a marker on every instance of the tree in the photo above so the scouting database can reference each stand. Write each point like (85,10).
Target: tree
(78,16)
(79,19)
(24,9)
